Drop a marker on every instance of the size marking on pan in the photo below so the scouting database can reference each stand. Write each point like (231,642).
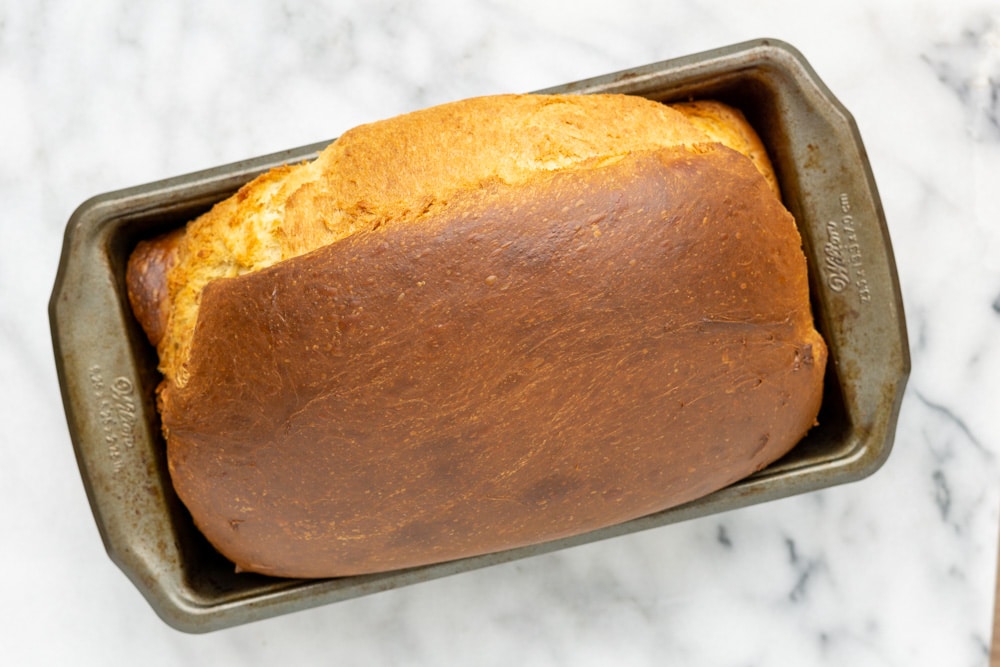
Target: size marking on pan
(844,262)
(116,414)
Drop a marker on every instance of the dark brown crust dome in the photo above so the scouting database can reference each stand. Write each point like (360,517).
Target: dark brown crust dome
(534,361)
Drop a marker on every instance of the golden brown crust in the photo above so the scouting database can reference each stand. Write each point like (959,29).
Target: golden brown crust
(146,282)
(426,392)
(729,126)
(478,326)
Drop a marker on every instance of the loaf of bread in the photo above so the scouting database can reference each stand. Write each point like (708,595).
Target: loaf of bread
(479,326)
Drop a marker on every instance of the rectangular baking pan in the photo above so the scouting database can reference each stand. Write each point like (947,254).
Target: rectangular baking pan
(107,370)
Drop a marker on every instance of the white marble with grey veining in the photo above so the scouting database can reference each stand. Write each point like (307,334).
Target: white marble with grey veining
(895,570)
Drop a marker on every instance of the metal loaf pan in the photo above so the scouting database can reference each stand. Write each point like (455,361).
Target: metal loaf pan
(107,370)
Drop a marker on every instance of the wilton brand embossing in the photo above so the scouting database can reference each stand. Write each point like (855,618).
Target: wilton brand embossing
(116,414)
(843,261)
(838,277)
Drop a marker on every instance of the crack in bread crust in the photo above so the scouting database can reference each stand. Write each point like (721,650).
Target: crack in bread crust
(401,170)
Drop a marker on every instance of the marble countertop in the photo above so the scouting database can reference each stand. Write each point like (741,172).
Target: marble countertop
(897,569)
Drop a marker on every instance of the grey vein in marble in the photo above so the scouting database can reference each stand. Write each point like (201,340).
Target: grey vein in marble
(970,66)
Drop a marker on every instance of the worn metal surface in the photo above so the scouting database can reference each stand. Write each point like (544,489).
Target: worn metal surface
(107,370)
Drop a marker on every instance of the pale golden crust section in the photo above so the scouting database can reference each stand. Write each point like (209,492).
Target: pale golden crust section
(730,128)
(404,168)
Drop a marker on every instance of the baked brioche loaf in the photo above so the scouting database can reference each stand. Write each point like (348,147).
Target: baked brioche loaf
(480,326)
